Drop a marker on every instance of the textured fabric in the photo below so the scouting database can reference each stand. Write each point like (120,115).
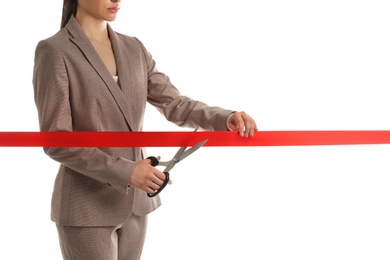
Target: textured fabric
(74,91)
(121,242)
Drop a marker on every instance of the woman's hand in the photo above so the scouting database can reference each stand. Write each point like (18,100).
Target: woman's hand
(241,122)
(146,177)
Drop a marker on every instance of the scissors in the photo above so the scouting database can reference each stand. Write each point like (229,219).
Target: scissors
(182,153)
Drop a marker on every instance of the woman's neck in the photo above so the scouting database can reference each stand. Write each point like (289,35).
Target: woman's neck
(94,29)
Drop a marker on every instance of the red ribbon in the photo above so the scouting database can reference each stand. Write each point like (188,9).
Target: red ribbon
(170,139)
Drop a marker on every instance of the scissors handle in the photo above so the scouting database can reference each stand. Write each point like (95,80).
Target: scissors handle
(155,163)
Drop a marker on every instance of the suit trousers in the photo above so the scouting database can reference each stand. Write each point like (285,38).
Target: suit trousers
(121,242)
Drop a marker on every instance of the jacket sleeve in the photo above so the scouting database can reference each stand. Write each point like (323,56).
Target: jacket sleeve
(177,108)
(51,94)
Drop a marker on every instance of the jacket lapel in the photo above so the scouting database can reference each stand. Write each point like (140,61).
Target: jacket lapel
(78,37)
(127,57)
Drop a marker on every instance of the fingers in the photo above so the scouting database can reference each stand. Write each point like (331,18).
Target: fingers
(157,178)
(243,123)
(146,177)
(154,180)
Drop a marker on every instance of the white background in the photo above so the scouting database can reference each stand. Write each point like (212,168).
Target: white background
(292,65)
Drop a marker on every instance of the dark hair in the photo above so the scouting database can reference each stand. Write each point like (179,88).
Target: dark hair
(68,9)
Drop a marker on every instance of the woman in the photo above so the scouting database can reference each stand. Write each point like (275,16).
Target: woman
(88,77)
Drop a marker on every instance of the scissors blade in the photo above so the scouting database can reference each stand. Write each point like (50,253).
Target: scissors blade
(180,155)
(174,160)
(169,164)
(189,151)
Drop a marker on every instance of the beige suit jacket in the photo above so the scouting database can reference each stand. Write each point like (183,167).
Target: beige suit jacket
(74,91)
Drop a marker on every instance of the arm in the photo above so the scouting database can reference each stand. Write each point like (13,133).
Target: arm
(177,108)
(186,112)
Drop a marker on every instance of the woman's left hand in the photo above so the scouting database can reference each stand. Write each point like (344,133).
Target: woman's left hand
(241,122)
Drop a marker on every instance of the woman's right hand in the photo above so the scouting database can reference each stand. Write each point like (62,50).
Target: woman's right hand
(146,177)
